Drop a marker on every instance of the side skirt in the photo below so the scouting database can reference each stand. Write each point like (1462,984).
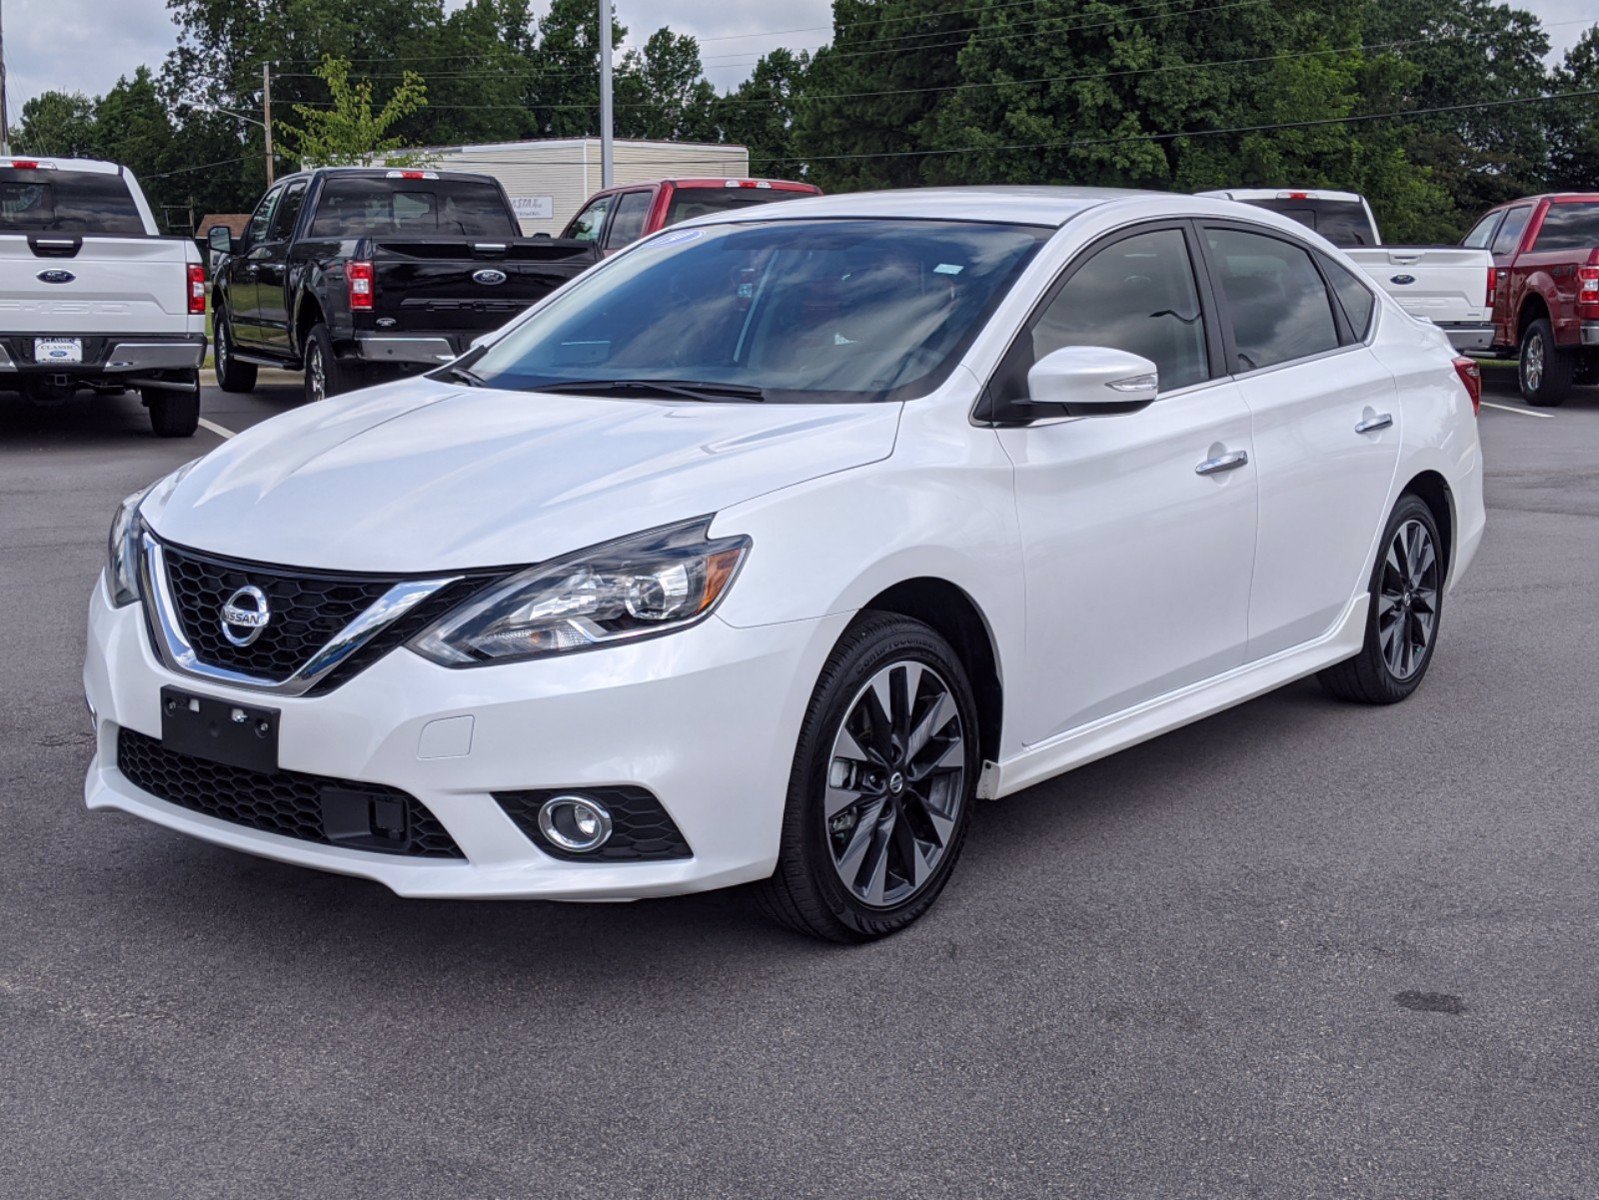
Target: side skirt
(1175,709)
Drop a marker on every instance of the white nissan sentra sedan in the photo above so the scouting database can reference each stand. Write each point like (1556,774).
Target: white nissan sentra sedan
(762,551)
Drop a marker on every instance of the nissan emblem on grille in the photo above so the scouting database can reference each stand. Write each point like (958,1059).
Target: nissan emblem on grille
(489,277)
(245,615)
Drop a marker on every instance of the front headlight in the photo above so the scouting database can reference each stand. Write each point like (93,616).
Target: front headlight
(636,587)
(123,548)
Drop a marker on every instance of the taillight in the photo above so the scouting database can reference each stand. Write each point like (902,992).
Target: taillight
(196,289)
(1588,288)
(1493,285)
(1471,375)
(362,285)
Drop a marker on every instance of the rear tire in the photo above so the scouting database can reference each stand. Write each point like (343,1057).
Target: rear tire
(1403,617)
(1545,370)
(877,809)
(173,414)
(325,376)
(232,375)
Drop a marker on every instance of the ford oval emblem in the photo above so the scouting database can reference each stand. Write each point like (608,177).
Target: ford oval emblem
(56,276)
(489,277)
(1401,280)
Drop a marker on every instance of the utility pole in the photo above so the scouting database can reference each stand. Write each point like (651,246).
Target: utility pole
(605,93)
(266,114)
(5,127)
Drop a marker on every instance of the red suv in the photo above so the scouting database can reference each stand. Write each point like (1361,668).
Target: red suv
(1546,289)
(621,215)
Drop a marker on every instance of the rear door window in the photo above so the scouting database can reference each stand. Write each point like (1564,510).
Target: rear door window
(288,213)
(628,224)
(1276,299)
(67,202)
(1569,226)
(1509,235)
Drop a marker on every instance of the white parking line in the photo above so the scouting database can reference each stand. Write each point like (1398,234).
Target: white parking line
(222,433)
(1526,412)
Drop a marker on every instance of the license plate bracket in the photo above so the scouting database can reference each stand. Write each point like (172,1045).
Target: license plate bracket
(63,352)
(221,731)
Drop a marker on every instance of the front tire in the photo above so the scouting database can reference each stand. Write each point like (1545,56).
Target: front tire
(882,785)
(1544,370)
(232,375)
(1403,617)
(173,414)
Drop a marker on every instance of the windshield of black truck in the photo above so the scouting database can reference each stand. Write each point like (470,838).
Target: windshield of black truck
(1341,222)
(67,202)
(1572,225)
(367,207)
(798,311)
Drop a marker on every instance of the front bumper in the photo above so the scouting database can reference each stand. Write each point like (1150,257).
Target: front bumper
(705,719)
(122,354)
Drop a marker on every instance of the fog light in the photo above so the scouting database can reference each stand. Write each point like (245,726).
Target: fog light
(575,823)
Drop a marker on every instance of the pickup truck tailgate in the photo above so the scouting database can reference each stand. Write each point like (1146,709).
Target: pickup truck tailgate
(1447,285)
(455,285)
(68,283)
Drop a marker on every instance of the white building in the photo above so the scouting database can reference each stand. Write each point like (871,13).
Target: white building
(549,180)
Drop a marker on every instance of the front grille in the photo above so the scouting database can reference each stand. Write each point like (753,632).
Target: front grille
(309,608)
(640,828)
(289,803)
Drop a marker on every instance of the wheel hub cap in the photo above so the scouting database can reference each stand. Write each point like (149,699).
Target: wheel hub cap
(895,784)
(1407,599)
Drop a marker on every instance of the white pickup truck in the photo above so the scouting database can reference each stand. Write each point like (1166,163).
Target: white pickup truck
(91,296)
(1450,286)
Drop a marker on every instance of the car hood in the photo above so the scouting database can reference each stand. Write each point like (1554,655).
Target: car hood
(418,476)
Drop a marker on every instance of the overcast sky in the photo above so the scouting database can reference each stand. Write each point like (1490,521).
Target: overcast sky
(84,45)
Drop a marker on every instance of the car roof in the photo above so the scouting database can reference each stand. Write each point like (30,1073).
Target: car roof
(1020,205)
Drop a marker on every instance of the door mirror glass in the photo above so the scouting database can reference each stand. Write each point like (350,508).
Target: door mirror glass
(220,239)
(1088,381)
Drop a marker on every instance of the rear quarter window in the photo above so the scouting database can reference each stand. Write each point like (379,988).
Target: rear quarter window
(1354,297)
(67,202)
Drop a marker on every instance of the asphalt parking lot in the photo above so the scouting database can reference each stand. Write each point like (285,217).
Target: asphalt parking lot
(1301,949)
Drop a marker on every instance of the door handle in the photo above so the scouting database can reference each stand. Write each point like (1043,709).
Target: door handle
(1230,461)
(1373,423)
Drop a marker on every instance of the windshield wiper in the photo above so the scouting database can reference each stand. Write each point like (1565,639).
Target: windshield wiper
(687,389)
(467,376)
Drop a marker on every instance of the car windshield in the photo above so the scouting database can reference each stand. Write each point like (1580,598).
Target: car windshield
(67,202)
(799,311)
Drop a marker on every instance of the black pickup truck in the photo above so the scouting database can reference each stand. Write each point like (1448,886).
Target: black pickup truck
(347,273)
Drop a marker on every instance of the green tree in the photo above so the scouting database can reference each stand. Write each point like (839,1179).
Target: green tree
(1574,124)
(57,123)
(349,132)
(871,95)
(662,93)
(760,113)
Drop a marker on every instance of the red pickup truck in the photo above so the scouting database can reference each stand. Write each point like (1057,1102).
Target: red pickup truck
(1546,289)
(621,215)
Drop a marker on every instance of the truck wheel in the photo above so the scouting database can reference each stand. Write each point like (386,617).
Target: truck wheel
(232,375)
(1545,369)
(173,414)
(324,375)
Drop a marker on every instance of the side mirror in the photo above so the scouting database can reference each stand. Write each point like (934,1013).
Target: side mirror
(220,239)
(1087,381)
